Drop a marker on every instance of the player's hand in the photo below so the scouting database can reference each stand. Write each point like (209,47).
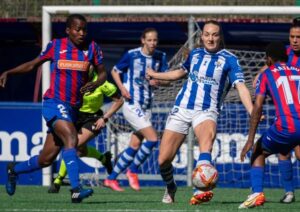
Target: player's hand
(154,82)
(150,73)
(89,87)
(125,93)
(3,79)
(246,149)
(100,123)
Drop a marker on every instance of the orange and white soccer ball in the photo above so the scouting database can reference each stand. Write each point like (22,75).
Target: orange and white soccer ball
(205,176)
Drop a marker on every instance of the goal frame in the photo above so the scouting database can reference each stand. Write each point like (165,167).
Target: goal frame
(48,11)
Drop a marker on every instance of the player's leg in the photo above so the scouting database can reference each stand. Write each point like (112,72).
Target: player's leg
(177,127)
(286,171)
(170,143)
(142,154)
(124,161)
(205,132)
(256,198)
(46,157)
(67,133)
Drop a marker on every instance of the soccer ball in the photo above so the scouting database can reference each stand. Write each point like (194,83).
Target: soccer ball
(205,176)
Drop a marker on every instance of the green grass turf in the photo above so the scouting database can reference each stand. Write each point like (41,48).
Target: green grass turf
(36,198)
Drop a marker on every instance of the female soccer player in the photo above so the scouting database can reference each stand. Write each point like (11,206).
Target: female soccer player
(279,81)
(138,94)
(198,103)
(90,122)
(284,161)
(70,59)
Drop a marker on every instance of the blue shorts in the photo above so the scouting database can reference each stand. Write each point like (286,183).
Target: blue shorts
(274,141)
(54,110)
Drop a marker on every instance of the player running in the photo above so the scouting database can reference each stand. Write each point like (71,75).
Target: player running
(70,59)
(138,94)
(90,122)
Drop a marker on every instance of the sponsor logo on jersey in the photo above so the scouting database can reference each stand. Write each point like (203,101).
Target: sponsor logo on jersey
(73,65)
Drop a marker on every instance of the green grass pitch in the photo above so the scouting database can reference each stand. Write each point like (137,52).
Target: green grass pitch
(36,198)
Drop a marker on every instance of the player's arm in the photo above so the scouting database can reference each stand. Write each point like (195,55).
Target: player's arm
(169,75)
(91,86)
(23,68)
(117,104)
(254,120)
(116,76)
(244,96)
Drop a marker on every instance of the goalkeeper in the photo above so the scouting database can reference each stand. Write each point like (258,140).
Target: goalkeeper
(90,122)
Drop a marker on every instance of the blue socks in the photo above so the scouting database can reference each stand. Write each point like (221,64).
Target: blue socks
(286,172)
(144,151)
(204,157)
(257,179)
(71,160)
(27,166)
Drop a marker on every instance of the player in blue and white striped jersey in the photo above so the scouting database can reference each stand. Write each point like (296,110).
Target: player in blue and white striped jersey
(211,71)
(138,94)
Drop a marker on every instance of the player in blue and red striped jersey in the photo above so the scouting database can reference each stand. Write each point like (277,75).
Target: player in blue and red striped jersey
(284,161)
(281,81)
(70,59)
(211,71)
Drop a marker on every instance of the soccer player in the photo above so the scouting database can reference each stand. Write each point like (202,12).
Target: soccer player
(70,59)
(198,103)
(284,161)
(138,94)
(280,81)
(90,121)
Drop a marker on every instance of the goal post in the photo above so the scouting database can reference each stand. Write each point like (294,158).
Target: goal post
(49,11)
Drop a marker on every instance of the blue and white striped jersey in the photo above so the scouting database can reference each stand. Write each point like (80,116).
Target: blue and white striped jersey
(133,66)
(209,80)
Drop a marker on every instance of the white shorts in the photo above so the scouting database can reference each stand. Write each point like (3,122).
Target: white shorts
(137,117)
(180,119)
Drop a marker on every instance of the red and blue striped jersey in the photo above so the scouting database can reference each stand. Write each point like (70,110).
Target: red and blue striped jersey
(293,58)
(282,82)
(69,69)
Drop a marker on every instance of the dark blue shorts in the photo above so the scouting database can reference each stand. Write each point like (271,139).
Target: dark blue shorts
(54,110)
(274,141)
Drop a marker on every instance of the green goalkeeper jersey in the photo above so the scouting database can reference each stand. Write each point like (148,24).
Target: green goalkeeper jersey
(92,102)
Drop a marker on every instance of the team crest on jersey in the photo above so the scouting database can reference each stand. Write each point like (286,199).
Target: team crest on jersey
(86,52)
(156,67)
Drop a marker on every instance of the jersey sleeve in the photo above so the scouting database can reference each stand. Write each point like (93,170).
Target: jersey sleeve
(164,66)
(108,89)
(186,65)
(123,64)
(97,54)
(48,53)
(261,84)
(235,74)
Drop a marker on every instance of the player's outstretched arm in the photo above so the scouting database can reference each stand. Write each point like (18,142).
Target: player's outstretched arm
(245,96)
(254,120)
(23,68)
(169,75)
